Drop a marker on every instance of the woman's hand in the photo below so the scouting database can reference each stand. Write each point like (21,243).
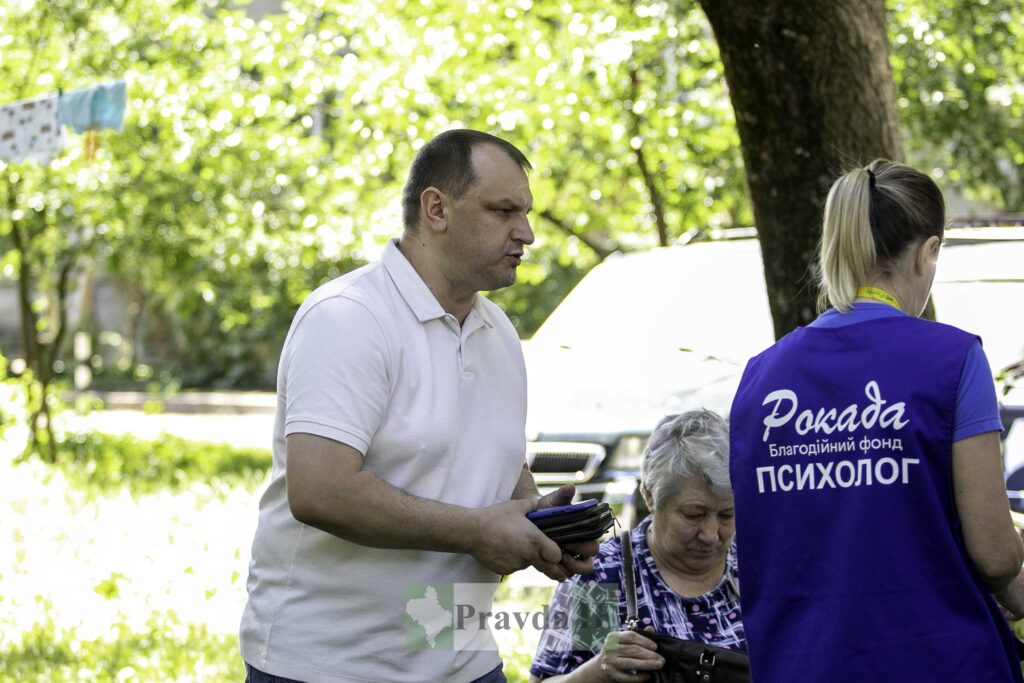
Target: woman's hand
(1011,600)
(627,657)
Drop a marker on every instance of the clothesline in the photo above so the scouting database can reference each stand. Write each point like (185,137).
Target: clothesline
(34,129)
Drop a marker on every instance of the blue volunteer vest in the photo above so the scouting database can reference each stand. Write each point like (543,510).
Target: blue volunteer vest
(854,566)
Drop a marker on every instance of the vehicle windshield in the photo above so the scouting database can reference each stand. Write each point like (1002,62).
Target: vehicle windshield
(662,331)
(707,299)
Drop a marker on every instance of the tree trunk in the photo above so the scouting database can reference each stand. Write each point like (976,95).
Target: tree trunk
(812,89)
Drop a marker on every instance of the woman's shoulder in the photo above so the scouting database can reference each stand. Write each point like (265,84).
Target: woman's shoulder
(941,328)
(901,326)
(921,326)
(608,560)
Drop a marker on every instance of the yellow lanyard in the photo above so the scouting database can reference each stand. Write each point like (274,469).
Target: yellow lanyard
(879,295)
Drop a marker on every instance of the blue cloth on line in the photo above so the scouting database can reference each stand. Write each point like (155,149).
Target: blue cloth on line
(99,106)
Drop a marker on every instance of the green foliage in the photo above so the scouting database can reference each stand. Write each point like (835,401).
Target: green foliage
(12,399)
(516,665)
(106,463)
(515,649)
(207,204)
(959,71)
(167,651)
(21,400)
(262,156)
(585,89)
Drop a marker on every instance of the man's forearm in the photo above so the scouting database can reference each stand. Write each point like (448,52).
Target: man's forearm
(365,509)
(328,489)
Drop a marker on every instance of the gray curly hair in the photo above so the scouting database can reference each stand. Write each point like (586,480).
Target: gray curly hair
(691,444)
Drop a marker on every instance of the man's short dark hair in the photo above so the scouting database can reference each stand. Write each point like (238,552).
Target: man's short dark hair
(444,163)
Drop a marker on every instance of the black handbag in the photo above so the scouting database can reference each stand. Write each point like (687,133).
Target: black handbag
(686,661)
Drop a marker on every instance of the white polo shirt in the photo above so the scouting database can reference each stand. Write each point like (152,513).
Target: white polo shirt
(439,410)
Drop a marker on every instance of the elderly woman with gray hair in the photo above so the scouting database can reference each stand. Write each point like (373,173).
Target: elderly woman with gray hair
(684,562)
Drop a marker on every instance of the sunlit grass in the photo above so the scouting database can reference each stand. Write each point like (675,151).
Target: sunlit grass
(110,462)
(99,582)
(133,568)
(168,651)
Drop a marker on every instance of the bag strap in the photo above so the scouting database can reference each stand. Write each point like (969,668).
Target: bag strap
(629,582)
(734,584)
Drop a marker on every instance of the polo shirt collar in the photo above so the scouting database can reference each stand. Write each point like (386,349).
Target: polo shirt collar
(416,293)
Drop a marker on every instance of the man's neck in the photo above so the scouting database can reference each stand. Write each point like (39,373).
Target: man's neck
(419,257)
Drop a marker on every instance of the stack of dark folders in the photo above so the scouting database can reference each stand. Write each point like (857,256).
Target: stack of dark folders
(586,521)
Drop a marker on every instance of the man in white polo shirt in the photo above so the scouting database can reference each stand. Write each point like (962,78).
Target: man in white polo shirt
(399,442)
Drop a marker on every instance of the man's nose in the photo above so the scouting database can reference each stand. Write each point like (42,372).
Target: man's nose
(523,232)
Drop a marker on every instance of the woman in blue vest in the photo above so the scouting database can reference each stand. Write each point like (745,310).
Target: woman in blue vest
(872,520)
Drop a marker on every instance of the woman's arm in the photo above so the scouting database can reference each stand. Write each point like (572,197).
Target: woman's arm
(993,543)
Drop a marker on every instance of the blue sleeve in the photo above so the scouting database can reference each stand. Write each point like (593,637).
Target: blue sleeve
(977,409)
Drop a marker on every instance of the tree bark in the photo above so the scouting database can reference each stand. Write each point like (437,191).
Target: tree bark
(812,89)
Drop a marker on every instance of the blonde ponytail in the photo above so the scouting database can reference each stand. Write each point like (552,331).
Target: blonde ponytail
(847,255)
(871,216)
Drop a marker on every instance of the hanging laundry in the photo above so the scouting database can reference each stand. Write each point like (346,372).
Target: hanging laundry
(30,130)
(94,108)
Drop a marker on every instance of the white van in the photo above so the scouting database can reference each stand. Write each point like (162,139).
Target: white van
(659,332)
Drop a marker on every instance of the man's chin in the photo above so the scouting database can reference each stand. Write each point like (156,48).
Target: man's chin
(502,282)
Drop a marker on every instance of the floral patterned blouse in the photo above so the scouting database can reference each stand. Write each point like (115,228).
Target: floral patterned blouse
(586,608)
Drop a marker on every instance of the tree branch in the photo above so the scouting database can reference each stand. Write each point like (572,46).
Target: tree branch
(601,251)
(657,203)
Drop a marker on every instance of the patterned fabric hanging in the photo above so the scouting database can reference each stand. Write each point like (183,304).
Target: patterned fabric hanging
(30,130)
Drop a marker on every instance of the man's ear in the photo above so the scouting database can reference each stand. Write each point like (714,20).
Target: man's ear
(927,253)
(433,209)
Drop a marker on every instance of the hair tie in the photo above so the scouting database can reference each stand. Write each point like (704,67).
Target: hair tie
(871,178)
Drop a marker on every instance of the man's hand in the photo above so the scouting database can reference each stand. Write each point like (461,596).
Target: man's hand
(507,541)
(561,496)
(577,558)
